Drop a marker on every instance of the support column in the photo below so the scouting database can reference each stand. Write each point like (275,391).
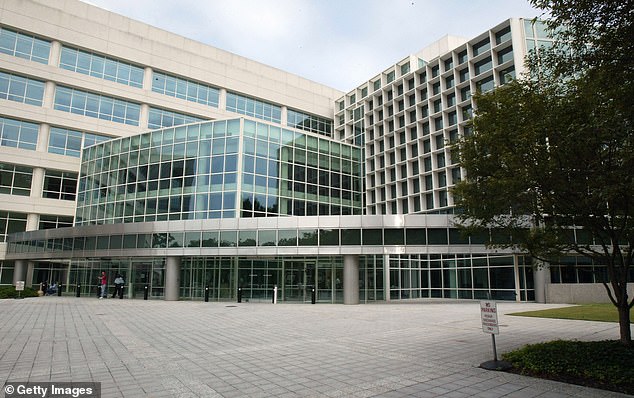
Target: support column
(222,99)
(541,277)
(172,278)
(19,271)
(351,279)
(30,268)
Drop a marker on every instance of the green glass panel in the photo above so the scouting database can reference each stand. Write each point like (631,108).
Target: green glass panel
(372,237)
(351,237)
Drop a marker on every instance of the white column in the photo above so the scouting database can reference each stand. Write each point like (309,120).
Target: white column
(386,278)
(172,278)
(32,222)
(144,116)
(351,279)
(49,95)
(284,114)
(222,99)
(55,54)
(541,277)
(43,137)
(37,182)
(19,271)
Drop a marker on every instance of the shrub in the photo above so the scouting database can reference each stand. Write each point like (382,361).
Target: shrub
(10,292)
(601,364)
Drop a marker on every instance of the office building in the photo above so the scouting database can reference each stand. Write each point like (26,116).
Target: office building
(193,171)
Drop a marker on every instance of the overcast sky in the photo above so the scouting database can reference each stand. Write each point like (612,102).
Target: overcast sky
(340,43)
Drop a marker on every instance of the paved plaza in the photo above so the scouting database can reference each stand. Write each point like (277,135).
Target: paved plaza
(155,348)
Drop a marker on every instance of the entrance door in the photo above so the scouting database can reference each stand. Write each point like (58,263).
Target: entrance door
(299,280)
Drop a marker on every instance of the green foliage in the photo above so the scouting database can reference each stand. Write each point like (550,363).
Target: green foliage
(601,364)
(553,152)
(10,292)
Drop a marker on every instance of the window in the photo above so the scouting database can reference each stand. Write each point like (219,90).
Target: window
(505,55)
(15,180)
(503,35)
(252,107)
(53,222)
(185,89)
(21,89)
(101,67)
(462,57)
(59,185)
(483,66)
(158,118)
(486,84)
(464,75)
(65,142)
(449,82)
(451,99)
(480,47)
(436,88)
(18,134)
(97,106)
(70,142)
(465,93)
(11,223)
(507,75)
(435,70)
(315,124)
(24,46)
(448,64)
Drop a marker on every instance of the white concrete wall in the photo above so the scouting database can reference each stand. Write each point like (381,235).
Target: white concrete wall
(579,293)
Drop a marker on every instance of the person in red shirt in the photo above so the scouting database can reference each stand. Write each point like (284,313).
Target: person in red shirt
(103,282)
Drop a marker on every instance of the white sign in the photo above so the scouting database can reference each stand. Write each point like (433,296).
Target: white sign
(19,285)
(489,315)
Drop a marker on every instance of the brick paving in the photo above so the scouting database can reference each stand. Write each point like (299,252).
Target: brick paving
(155,348)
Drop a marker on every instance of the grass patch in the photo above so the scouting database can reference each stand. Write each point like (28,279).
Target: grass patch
(585,312)
(608,365)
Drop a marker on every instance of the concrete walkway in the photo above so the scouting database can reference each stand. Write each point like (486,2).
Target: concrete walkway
(139,348)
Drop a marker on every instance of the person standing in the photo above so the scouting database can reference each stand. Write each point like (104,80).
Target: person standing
(103,281)
(118,286)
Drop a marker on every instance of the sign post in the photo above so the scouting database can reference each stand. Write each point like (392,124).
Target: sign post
(489,317)
(19,287)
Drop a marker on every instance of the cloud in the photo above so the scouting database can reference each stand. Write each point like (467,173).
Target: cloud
(340,43)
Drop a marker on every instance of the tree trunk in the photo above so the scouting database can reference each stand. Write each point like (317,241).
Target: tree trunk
(624,323)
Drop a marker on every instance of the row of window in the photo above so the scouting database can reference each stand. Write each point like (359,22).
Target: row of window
(94,105)
(100,67)
(18,134)
(454,59)
(97,106)
(24,46)
(21,89)
(261,237)
(16,180)
(70,142)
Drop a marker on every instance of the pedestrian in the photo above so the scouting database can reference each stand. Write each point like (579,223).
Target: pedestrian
(118,286)
(103,283)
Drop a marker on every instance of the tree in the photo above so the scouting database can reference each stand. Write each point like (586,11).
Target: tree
(551,159)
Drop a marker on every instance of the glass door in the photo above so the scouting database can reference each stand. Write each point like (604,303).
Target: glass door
(299,280)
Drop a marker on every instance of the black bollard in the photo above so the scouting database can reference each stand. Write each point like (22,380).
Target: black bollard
(239,295)
(273,295)
(78,291)
(206,294)
(59,290)
(145,292)
(312,295)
